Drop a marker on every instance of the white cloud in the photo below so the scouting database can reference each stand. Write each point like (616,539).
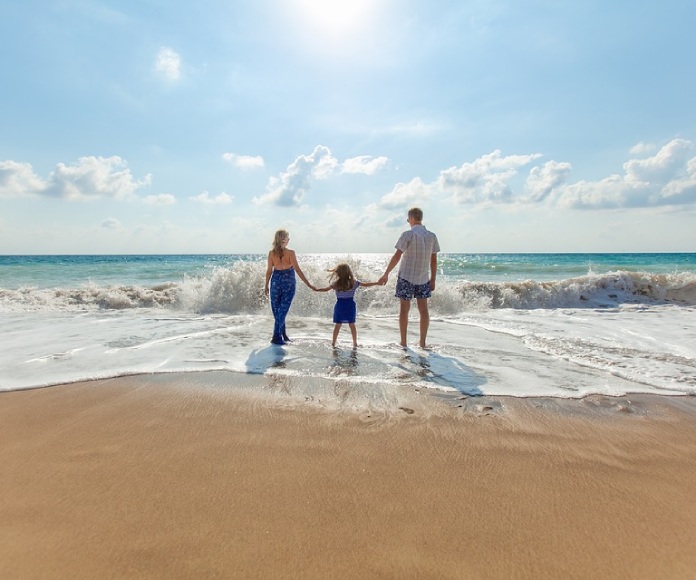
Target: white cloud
(610,192)
(244,161)
(19,179)
(160,199)
(683,187)
(205,198)
(666,178)
(544,179)
(94,177)
(168,64)
(89,178)
(406,195)
(322,163)
(642,148)
(661,167)
(290,188)
(396,221)
(485,179)
(364,164)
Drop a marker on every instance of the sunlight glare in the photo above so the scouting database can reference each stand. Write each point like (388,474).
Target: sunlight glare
(336,17)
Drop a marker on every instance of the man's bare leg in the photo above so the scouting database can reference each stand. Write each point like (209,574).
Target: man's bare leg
(404,307)
(424,319)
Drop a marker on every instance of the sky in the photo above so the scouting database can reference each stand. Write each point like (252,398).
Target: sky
(152,126)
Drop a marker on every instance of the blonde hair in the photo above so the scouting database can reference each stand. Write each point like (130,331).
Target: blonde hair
(278,239)
(343,276)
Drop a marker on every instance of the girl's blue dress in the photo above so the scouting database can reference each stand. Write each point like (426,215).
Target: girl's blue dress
(345,309)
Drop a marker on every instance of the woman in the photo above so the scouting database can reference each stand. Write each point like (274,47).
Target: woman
(282,265)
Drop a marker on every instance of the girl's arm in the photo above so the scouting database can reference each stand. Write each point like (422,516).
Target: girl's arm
(300,273)
(269,271)
(323,289)
(368,284)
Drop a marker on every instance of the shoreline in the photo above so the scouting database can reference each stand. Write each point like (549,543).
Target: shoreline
(188,476)
(290,390)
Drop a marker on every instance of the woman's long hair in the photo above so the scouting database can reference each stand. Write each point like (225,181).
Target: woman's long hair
(279,238)
(343,276)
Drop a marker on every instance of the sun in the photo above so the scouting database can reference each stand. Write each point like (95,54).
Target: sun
(349,30)
(336,17)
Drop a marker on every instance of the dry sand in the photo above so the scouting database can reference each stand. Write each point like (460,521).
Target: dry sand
(163,477)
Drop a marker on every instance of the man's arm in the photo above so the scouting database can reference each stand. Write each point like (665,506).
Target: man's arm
(433,271)
(392,264)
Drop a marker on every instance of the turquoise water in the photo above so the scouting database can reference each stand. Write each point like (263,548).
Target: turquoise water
(548,267)
(116,270)
(562,325)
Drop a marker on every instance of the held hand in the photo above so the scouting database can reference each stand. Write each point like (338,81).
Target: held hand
(383,280)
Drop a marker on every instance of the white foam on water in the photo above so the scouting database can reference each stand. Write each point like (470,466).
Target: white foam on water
(557,353)
(611,333)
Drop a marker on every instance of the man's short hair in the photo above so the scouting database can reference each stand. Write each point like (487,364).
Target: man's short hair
(416,213)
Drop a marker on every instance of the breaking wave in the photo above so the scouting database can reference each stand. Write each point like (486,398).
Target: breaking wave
(238,289)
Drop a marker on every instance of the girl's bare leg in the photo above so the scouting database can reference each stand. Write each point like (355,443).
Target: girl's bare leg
(337,327)
(354,334)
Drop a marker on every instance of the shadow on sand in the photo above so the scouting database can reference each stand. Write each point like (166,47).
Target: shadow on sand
(262,359)
(426,366)
(443,371)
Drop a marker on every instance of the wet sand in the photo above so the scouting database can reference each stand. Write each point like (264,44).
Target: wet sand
(188,476)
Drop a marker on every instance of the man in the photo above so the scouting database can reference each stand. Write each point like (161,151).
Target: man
(417,272)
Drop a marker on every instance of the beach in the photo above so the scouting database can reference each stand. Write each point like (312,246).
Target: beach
(214,475)
(149,429)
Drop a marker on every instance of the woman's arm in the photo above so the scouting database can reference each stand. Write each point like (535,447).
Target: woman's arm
(269,271)
(300,273)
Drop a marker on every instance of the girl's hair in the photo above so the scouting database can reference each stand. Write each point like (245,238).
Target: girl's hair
(278,239)
(343,276)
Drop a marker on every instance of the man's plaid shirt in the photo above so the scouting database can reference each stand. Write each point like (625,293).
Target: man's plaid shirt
(417,245)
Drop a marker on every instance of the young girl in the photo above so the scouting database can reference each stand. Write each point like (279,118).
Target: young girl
(282,265)
(345,310)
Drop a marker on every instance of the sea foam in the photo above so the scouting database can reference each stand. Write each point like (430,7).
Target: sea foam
(239,289)
(612,333)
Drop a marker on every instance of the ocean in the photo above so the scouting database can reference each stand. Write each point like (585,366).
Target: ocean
(523,325)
